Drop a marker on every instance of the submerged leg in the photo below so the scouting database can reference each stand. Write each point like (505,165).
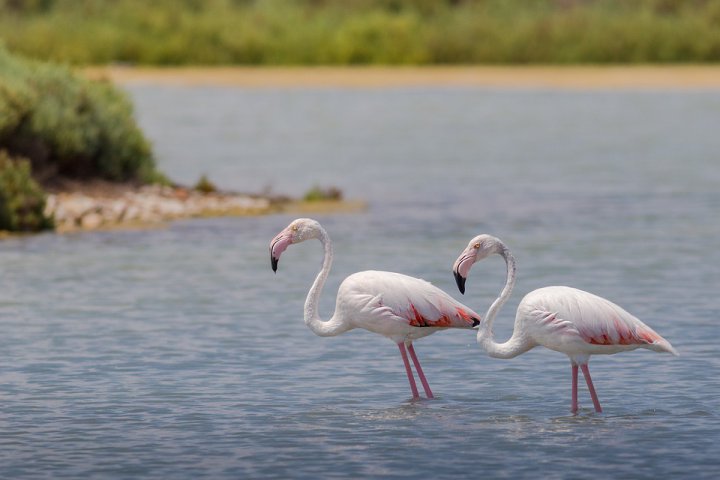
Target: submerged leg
(593,395)
(411,379)
(574,404)
(419,370)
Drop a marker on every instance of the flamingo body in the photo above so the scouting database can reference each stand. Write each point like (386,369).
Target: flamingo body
(579,324)
(565,319)
(397,306)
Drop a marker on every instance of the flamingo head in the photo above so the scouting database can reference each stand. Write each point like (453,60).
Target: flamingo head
(479,248)
(298,231)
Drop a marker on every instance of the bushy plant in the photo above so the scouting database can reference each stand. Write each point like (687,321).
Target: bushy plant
(204,185)
(22,201)
(363,31)
(69,126)
(317,194)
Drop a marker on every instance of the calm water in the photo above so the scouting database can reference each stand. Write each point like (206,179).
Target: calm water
(176,353)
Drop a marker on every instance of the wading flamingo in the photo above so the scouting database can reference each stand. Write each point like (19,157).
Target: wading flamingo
(564,319)
(397,306)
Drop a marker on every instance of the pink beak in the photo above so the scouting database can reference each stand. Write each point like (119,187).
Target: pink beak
(277,247)
(461,270)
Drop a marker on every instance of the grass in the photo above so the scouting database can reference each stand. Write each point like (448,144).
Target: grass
(359,32)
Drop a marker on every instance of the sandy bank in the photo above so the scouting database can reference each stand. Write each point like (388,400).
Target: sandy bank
(688,77)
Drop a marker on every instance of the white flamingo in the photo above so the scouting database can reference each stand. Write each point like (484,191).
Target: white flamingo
(564,319)
(397,306)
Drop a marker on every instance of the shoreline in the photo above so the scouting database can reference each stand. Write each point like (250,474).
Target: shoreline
(626,77)
(98,205)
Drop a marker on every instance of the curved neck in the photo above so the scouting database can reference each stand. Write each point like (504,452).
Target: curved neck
(486,339)
(334,326)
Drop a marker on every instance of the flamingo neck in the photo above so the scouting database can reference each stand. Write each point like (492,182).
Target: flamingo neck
(517,343)
(335,325)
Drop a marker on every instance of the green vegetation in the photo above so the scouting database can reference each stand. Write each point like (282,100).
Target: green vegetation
(55,125)
(204,185)
(68,126)
(22,201)
(311,32)
(317,194)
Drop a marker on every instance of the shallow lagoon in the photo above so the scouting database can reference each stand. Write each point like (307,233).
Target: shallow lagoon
(177,353)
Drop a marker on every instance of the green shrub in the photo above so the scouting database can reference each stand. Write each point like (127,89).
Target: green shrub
(69,126)
(317,194)
(22,201)
(204,185)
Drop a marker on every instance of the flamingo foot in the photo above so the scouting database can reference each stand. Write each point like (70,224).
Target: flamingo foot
(411,379)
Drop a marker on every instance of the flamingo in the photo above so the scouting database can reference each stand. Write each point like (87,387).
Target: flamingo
(397,306)
(564,319)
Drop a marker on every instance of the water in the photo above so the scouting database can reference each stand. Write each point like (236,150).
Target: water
(176,353)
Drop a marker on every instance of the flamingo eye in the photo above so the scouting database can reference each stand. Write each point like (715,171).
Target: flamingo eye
(476,246)
(294,228)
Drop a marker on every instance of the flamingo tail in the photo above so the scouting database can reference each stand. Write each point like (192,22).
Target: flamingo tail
(662,345)
(655,341)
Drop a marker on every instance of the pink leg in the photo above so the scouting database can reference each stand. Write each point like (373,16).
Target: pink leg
(586,374)
(574,404)
(413,387)
(419,370)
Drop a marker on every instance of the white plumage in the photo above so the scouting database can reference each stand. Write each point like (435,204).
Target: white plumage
(580,323)
(398,306)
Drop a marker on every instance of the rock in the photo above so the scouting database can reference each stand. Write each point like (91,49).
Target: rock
(51,204)
(75,205)
(131,213)
(91,221)
(116,208)
(148,204)
(170,208)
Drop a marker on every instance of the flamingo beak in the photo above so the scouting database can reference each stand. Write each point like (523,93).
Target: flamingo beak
(460,280)
(277,247)
(462,268)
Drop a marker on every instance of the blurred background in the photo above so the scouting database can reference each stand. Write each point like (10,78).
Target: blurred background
(175,352)
(392,32)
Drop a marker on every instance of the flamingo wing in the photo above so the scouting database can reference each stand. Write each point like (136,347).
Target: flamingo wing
(409,300)
(592,319)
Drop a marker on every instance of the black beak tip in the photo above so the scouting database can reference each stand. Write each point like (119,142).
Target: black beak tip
(460,280)
(274,263)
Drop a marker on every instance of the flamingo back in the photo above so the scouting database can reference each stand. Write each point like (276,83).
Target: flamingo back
(570,320)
